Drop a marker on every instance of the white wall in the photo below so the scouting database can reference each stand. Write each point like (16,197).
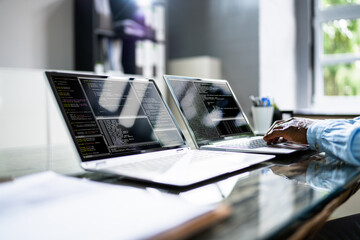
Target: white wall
(29,116)
(33,136)
(277,42)
(36,34)
(23,108)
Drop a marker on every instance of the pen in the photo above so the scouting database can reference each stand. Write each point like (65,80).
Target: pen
(265,102)
(253,100)
(257,101)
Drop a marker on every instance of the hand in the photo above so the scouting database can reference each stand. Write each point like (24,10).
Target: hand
(293,129)
(292,170)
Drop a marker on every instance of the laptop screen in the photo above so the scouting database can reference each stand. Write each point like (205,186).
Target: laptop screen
(115,117)
(209,107)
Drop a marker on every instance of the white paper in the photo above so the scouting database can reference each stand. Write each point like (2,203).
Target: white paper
(51,206)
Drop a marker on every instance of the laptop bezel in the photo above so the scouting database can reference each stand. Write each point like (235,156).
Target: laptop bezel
(88,163)
(186,122)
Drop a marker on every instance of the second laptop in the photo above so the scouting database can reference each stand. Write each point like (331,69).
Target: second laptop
(214,118)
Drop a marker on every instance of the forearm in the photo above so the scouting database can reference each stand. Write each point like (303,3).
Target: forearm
(340,138)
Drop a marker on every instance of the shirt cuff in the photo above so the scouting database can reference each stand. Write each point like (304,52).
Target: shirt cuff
(314,134)
(353,150)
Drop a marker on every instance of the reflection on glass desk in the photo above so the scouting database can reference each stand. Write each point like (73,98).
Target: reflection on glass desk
(268,201)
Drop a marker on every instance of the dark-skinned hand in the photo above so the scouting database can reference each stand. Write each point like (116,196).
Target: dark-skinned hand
(292,129)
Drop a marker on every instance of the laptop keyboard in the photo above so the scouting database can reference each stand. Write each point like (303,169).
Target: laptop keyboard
(250,143)
(162,164)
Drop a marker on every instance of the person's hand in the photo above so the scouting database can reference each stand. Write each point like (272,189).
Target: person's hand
(293,129)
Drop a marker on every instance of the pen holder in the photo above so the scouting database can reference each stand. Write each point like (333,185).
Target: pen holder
(262,117)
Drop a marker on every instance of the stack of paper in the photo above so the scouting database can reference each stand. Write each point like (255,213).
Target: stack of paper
(51,206)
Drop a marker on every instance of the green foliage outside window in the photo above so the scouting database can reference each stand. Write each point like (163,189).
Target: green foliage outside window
(341,37)
(330,3)
(342,79)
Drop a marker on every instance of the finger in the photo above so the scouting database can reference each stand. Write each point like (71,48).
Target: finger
(278,130)
(275,133)
(276,122)
(275,140)
(274,126)
(271,137)
(289,119)
(280,124)
(272,141)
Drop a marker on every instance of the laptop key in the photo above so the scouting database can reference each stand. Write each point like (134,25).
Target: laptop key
(247,143)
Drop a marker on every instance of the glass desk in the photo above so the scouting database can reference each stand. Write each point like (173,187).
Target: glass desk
(270,200)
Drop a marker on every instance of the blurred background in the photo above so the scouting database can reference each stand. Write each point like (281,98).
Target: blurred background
(309,48)
(304,54)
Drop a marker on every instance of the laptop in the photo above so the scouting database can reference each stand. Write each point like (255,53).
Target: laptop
(214,118)
(123,126)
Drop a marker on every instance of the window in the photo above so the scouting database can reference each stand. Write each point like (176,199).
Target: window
(337,55)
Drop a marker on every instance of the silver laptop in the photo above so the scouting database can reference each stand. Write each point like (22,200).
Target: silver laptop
(123,126)
(214,119)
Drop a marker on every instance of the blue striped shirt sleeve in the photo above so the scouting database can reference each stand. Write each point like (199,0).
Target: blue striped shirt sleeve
(338,138)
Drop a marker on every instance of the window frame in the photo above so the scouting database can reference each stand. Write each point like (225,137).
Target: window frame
(340,104)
